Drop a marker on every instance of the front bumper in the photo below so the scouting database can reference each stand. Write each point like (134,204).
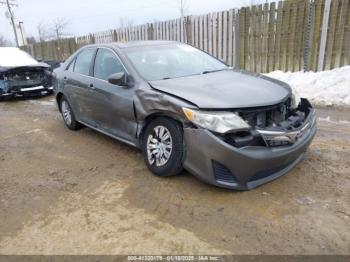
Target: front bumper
(217,162)
(27,92)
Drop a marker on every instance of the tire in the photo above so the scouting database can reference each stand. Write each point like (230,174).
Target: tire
(68,115)
(171,150)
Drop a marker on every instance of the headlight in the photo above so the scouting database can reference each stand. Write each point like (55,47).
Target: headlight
(220,122)
(296,99)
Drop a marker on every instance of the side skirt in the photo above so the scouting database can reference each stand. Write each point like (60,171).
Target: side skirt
(110,135)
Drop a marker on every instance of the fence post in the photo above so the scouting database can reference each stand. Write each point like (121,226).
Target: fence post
(188,32)
(324,35)
(149,31)
(308,35)
(235,58)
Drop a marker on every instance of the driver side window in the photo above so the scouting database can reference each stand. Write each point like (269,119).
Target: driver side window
(106,64)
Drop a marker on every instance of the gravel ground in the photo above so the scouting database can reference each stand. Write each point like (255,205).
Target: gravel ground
(64,192)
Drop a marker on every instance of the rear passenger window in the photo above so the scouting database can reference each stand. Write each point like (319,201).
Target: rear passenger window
(106,64)
(83,62)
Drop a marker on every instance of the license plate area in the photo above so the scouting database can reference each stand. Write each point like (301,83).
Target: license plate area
(34,88)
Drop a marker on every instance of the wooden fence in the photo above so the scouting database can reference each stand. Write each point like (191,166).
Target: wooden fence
(285,35)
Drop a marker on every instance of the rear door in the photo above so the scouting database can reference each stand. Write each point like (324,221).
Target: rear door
(113,104)
(77,80)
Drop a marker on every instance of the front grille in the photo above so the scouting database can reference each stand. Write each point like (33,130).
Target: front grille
(242,139)
(20,79)
(222,173)
(266,116)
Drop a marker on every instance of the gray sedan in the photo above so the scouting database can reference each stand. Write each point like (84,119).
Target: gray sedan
(185,109)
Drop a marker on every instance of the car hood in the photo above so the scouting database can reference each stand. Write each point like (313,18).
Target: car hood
(226,89)
(4,69)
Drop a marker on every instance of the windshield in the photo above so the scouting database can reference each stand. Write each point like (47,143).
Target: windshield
(171,61)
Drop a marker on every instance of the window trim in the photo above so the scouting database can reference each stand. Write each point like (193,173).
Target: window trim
(92,59)
(75,59)
(71,64)
(118,57)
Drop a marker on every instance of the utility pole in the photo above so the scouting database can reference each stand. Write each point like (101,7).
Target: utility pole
(9,4)
(23,38)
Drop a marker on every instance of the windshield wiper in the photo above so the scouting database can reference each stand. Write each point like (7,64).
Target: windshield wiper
(212,71)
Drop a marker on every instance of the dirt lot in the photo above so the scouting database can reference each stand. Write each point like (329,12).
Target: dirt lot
(64,192)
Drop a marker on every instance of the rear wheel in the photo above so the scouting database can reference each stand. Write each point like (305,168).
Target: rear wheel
(163,147)
(68,115)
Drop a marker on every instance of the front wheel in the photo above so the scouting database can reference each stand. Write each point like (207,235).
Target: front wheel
(163,147)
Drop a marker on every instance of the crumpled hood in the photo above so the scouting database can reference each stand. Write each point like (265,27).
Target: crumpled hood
(226,89)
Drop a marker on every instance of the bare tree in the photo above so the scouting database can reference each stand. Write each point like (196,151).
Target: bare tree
(59,28)
(59,31)
(254,2)
(44,32)
(183,7)
(31,40)
(4,41)
(125,22)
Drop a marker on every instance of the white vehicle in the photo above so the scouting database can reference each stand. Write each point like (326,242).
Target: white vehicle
(21,75)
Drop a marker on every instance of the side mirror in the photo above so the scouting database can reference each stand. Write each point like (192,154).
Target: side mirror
(118,79)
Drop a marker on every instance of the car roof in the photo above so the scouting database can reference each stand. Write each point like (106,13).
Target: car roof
(122,45)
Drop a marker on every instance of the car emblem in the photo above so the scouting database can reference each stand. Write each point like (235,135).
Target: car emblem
(27,77)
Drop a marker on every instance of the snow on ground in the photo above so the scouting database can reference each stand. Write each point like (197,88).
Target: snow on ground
(322,88)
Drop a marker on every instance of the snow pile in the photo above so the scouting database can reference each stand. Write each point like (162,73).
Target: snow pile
(12,57)
(323,88)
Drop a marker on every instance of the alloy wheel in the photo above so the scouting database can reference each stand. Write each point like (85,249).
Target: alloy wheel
(159,146)
(66,112)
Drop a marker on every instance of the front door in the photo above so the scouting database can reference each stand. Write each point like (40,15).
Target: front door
(113,104)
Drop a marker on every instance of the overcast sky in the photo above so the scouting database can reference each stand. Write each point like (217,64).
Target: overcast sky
(92,16)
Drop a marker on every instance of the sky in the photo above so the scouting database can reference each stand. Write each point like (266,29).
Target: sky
(99,15)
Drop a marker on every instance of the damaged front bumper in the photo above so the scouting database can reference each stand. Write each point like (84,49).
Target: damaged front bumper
(27,81)
(33,91)
(243,168)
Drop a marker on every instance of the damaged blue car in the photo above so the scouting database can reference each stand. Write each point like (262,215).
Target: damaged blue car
(23,76)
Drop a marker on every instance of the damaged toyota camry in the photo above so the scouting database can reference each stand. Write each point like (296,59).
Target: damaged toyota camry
(22,76)
(186,110)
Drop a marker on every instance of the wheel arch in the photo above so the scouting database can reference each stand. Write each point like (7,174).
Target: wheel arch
(151,117)
(58,99)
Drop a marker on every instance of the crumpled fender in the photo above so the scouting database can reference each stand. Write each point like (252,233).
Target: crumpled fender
(150,102)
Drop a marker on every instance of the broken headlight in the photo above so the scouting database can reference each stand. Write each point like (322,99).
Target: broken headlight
(220,122)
